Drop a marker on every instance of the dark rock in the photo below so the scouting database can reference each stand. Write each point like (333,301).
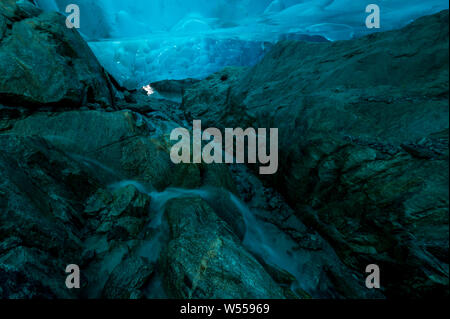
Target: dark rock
(124,209)
(364,170)
(45,63)
(210,100)
(303,37)
(40,224)
(18,285)
(352,117)
(128,278)
(17,10)
(76,185)
(3,26)
(114,143)
(173,86)
(204,259)
(220,200)
(310,255)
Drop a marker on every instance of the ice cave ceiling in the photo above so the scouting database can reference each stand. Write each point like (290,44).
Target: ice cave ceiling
(144,41)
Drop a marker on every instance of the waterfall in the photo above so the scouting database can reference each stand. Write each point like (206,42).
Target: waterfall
(262,239)
(271,244)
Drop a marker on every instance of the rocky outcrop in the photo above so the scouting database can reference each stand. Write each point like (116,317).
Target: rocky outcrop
(77,183)
(314,269)
(87,177)
(210,100)
(363,144)
(204,259)
(128,278)
(45,63)
(41,222)
(81,212)
(173,86)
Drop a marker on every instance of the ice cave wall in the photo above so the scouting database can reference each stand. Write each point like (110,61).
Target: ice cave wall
(143,41)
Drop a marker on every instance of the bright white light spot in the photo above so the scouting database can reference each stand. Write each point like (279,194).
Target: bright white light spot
(149,89)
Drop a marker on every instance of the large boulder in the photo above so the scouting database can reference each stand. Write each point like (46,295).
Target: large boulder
(117,144)
(363,130)
(120,145)
(41,196)
(310,260)
(128,279)
(205,260)
(210,100)
(45,63)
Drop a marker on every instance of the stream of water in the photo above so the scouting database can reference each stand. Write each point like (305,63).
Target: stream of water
(262,239)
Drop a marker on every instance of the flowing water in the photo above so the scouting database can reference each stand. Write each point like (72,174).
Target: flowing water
(264,240)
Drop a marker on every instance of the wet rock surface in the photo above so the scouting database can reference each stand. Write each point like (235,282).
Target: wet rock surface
(204,259)
(364,157)
(87,177)
(303,260)
(45,63)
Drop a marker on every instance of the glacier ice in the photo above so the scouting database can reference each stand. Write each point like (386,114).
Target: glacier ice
(150,40)
(135,62)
